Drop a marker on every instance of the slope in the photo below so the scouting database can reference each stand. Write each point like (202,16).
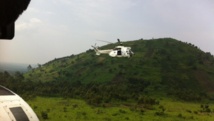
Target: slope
(162,65)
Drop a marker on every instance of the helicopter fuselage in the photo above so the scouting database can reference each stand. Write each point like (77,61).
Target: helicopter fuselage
(120,51)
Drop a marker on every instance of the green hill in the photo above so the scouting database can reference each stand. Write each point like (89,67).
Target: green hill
(159,67)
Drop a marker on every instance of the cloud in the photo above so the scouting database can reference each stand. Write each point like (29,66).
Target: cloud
(32,23)
(63,27)
(32,10)
(36,11)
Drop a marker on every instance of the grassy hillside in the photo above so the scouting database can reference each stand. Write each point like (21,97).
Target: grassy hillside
(162,65)
(166,79)
(55,109)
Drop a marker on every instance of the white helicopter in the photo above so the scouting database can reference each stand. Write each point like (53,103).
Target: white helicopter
(118,51)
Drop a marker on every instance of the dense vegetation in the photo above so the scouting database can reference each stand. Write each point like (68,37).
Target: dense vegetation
(55,109)
(160,68)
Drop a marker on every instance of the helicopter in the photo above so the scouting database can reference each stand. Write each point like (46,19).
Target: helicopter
(118,51)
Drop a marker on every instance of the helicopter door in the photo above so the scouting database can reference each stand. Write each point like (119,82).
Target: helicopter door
(119,51)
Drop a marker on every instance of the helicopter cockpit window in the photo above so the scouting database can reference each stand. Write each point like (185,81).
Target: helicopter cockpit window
(19,114)
(4,91)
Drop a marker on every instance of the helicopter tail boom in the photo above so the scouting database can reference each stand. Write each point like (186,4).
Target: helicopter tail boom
(98,52)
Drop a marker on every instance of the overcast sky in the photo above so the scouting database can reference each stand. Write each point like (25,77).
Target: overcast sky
(50,29)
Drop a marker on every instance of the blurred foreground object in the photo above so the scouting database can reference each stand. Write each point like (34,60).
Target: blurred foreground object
(10,10)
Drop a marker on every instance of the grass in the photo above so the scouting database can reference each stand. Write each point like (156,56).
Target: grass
(56,109)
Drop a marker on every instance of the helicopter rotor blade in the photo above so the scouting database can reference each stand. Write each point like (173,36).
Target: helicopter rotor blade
(105,41)
(119,42)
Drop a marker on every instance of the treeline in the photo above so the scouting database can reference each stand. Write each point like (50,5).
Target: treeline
(93,93)
(122,90)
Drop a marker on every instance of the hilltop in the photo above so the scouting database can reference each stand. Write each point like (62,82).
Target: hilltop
(162,66)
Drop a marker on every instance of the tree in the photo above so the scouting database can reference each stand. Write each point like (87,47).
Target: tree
(18,76)
(39,65)
(29,67)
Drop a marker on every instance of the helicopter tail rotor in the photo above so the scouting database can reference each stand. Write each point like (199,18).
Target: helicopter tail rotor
(131,52)
(96,49)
